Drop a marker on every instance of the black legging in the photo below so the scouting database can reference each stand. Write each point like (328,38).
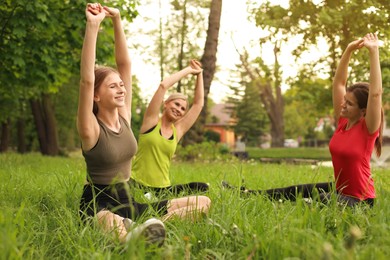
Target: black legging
(174,189)
(322,189)
(305,190)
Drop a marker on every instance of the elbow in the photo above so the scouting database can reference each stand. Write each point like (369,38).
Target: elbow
(376,94)
(86,81)
(163,85)
(199,104)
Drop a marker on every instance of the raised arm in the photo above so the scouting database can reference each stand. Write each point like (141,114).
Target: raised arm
(87,125)
(341,76)
(122,58)
(374,103)
(185,123)
(151,116)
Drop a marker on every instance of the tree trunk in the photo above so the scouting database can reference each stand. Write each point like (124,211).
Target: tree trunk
(274,108)
(5,136)
(182,38)
(51,126)
(21,125)
(45,123)
(271,98)
(208,61)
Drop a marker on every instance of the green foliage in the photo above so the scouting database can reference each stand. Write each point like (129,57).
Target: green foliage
(212,136)
(206,151)
(306,101)
(40,48)
(338,24)
(177,39)
(138,107)
(251,117)
(40,199)
(65,103)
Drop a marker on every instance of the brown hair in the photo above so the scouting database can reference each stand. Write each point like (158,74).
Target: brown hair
(360,91)
(101,72)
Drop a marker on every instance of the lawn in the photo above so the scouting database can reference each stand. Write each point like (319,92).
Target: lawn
(39,218)
(287,153)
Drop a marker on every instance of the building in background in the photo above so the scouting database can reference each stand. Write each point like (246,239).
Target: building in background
(222,123)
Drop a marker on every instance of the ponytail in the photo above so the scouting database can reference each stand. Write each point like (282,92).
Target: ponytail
(378,141)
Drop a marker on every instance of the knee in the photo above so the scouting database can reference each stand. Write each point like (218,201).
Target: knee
(105,218)
(204,202)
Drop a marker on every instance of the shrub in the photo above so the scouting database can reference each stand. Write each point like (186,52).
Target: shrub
(206,151)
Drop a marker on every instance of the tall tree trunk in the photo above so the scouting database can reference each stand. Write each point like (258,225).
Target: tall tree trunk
(21,125)
(5,136)
(274,108)
(208,61)
(45,123)
(277,128)
(39,124)
(51,126)
(271,97)
(161,44)
(182,40)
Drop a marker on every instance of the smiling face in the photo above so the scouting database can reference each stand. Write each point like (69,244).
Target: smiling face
(175,109)
(111,92)
(350,108)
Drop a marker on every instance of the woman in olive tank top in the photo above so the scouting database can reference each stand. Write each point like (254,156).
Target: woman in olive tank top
(108,143)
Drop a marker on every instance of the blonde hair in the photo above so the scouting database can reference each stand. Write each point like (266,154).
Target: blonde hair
(177,95)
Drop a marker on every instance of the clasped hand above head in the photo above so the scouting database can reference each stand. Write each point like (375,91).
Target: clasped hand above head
(196,67)
(370,41)
(97,12)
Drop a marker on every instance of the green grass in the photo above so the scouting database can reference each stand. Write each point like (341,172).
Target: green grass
(301,152)
(40,199)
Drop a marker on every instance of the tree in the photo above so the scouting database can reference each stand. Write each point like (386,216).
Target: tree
(40,49)
(307,101)
(252,120)
(270,93)
(208,60)
(177,44)
(334,21)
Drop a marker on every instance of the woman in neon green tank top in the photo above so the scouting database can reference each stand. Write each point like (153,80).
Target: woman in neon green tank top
(160,135)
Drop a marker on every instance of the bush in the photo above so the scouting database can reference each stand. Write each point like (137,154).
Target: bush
(212,136)
(202,152)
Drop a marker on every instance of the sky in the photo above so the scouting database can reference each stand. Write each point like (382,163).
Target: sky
(235,30)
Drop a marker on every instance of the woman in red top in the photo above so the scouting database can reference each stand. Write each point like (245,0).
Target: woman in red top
(358,111)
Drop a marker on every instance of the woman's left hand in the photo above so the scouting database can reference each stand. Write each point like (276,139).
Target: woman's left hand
(371,41)
(196,67)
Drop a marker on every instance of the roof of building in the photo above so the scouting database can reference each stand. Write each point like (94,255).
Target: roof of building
(221,115)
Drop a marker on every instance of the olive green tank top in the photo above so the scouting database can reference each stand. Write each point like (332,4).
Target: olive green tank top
(153,159)
(109,161)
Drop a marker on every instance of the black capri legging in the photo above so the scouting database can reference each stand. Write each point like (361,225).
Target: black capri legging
(322,189)
(117,199)
(174,189)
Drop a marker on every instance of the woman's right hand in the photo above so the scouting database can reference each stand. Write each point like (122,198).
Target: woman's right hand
(357,44)
(95,12)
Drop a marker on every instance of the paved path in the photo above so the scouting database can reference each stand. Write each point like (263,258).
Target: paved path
(382,161)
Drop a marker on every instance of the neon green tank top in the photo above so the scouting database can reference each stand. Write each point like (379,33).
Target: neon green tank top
(153,159)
